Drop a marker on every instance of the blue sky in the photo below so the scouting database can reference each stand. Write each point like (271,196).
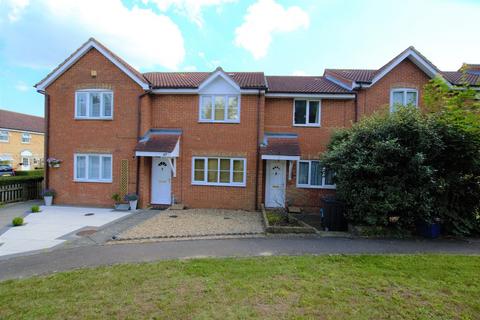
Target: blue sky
(275,36)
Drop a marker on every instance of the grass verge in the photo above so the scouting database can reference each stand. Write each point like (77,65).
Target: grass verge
(306,287)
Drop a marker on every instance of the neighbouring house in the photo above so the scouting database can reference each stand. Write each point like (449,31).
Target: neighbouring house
(21,140)
(215,139)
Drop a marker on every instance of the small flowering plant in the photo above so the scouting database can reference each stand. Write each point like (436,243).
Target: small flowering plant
(48,193)
(130,197)
(54,162)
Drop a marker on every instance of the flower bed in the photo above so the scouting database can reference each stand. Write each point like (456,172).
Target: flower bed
(276,222)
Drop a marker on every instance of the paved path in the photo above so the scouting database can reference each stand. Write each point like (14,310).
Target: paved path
(89,256)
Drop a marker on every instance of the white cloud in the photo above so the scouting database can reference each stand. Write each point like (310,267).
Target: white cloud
(15,8)
(190,8)
(49,30)
(265,18)
(190,68)
(22,86)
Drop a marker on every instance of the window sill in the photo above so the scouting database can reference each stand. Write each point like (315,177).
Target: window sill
(219,122)
(218,184)
(307,125)
(101,119)
(92,181)
(316,187)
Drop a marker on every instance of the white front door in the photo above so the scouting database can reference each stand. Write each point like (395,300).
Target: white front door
(275,184)
(161,181)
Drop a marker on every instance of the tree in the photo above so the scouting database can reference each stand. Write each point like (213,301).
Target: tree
(409,165)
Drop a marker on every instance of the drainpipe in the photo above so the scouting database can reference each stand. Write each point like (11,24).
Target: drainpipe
(258,150)
(139,136)
(46,136)
(356,107)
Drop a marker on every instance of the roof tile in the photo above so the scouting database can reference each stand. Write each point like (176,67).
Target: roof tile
(20,121)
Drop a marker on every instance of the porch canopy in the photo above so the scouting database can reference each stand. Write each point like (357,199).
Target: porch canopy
(159,143)
(280,146)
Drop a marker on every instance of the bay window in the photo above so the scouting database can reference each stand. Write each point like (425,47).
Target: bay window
(306,113)
(94,104)
(311,174)
(220,108)
(219,171)
(93,167)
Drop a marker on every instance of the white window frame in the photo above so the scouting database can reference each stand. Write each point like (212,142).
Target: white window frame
(87,155)
(212,119)
(309,185)
(89,91)
(29,138)
(308,124)
(4,133)
(205,174)
(404,91)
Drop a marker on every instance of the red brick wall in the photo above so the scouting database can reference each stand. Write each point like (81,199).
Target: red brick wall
(68,136)
(377,97)
(209,139)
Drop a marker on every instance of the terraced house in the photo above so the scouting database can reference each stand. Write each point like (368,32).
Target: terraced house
(216,139)
(21,140)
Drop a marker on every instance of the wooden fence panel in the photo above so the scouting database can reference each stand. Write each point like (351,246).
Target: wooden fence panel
(20,190)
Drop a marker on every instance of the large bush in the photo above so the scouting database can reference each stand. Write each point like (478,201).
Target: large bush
(409,165)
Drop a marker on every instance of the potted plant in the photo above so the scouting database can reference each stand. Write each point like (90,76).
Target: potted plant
(132,199)
(48,195)
(117,200)
(53,162)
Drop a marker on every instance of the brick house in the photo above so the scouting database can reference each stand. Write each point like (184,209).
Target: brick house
(209,139)
(21,140)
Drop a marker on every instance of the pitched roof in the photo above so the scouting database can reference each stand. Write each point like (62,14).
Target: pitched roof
(280,144)
(461,78)
(82,50)
(303,84)
(371,75)
(158,140)
(21,121)
(191,80)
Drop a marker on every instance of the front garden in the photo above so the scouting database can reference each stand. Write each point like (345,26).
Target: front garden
(307,287)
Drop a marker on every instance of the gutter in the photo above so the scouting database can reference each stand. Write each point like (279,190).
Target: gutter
(46,137)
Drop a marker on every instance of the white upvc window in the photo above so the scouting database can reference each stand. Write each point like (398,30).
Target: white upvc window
(306,113)
(94,104)
(219,108)
(219,171)
(403,97)
(92,167)
(311,174)
(4,136)
(26,137)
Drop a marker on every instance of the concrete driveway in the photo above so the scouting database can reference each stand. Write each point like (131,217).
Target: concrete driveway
(47,229)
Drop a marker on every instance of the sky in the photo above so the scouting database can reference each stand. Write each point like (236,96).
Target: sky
(275,36)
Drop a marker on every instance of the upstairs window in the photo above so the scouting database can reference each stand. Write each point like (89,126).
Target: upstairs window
(94,104)
(311,174)
(403,97)
(26,137)
(306,113)
(4,136)
(220,108)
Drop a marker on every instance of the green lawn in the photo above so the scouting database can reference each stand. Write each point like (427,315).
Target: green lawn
(308,287)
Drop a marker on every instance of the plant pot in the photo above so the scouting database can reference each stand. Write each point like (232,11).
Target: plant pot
(48,200)
(133,204)
(56,166)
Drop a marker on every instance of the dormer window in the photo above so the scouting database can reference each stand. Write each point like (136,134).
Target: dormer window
(220,108)
(94,104)
(403,97)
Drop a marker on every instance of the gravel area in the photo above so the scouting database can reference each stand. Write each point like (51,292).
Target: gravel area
(196,223)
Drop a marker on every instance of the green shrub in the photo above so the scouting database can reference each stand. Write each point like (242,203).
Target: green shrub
(29,173)
(274,217)
(17,221)
(35,208)
(18,179)
(407,165)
